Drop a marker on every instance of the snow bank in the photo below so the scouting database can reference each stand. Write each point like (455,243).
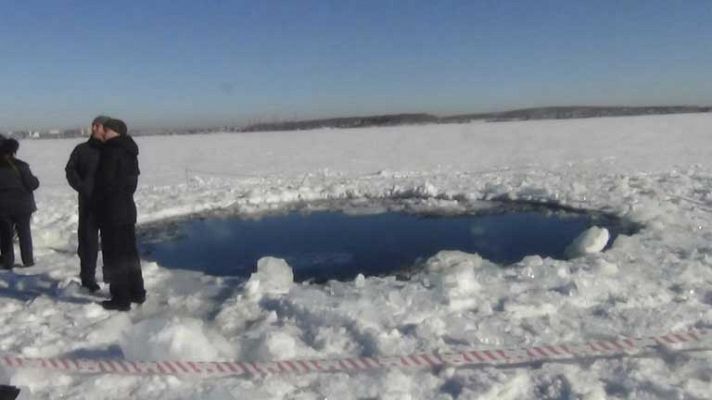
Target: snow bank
(172,339)
(276,346)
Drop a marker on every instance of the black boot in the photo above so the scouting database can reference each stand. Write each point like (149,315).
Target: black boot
(90,285)
(138,298)
(8,392)
(137,292)
(116,304)
(120,299)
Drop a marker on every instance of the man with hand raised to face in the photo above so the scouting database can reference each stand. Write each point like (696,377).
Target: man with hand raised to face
(116,181)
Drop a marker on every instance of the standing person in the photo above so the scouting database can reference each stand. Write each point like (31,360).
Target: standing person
(116,181)
(3,248)
(81,172)
(17,203)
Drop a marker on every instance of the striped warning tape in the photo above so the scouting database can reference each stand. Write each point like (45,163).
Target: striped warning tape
(498,357)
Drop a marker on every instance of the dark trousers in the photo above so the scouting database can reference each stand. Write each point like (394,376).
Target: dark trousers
(122,265)
(8,226)
(88,249)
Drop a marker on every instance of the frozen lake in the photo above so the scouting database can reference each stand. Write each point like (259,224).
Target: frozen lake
(652,171)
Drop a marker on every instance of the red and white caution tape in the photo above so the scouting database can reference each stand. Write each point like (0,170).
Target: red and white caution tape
(496,356)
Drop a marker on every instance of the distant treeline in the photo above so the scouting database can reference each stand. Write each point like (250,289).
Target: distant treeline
(513,115)
(344,122)
(396,119)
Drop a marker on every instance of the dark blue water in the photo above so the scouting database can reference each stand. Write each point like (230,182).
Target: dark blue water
(333,245)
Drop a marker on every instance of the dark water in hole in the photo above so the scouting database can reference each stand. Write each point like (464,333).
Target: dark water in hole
(333,245)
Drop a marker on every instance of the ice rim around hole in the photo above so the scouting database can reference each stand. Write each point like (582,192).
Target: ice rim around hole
(170,228)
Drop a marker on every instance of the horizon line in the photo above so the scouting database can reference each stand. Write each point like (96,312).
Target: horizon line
(273,120)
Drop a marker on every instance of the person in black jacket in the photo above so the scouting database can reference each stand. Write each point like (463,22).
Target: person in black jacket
(17,203)
(116,181)
(3,247)
(81,172)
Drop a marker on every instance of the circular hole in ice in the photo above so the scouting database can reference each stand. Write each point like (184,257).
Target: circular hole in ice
(339,240)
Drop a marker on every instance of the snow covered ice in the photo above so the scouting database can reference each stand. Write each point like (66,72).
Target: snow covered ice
(653,170)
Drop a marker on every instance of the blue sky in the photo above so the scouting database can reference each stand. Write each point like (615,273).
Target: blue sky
(198,63)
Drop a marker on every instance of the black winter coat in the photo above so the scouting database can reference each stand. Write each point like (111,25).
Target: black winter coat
(116,181)
(81,169)
(16,186)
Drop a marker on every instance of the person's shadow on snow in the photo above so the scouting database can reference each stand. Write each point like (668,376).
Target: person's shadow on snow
(29,287)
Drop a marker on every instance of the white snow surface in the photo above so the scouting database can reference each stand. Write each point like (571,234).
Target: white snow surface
(653,170)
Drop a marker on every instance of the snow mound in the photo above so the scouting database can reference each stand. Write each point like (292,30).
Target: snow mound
(174,339)
(273,276)
(591,241)
(276,346)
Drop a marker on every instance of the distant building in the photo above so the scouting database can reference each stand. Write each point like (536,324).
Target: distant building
(19,134)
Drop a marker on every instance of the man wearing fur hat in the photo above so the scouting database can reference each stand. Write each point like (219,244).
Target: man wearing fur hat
(116,181)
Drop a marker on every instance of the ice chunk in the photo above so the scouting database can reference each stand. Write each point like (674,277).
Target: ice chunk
(591,241)
(532,261)
(174,339)
(360,281)
(273,276)
(458,281)
(448,259)
(453,276)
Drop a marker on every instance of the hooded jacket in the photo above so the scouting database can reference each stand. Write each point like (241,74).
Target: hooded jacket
(16,186)
(116,181)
